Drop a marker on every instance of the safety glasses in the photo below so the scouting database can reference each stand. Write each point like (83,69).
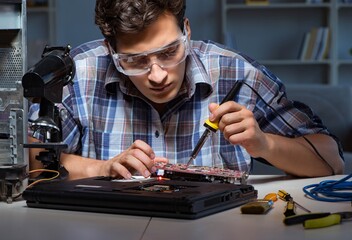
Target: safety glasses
(165,57)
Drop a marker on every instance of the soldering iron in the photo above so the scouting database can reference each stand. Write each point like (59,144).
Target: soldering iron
(212,127)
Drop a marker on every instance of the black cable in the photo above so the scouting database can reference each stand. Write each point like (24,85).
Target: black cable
(289,125)
(329,190)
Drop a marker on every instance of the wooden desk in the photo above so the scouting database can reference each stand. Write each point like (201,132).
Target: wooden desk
(17,221)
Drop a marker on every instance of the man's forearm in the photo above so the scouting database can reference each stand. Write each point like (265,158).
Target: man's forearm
(80,167)
(295,156)
(77,166)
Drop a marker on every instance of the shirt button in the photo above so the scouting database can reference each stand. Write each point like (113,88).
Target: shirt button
(157,134)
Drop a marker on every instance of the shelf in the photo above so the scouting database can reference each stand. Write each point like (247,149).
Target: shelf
(344,5)
(345,62)
(273,34)
(277,6)
(294,62)
(37,10)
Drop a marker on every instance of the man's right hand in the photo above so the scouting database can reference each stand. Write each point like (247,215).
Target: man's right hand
(138,158)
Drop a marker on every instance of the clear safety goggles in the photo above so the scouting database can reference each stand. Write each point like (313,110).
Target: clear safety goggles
(141,63)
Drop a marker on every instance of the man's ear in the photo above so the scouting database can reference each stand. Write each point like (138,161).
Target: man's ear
(188,27)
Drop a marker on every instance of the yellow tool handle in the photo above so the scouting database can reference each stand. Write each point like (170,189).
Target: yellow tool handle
(229,96)
(322,222)
(290,209)
(211,125)
(283,195)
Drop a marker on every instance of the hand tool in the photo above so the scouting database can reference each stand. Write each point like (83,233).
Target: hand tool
(290,208)
(212,127)
(283,195)
(271,196)
(317,220)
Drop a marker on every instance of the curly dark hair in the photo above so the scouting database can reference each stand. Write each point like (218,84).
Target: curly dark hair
(132,16)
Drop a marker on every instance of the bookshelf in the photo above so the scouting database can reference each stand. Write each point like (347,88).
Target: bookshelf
(273,34)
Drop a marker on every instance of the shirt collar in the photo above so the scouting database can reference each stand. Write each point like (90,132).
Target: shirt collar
(197,77)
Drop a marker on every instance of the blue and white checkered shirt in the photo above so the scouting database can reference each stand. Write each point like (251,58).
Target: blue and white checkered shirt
(106,113)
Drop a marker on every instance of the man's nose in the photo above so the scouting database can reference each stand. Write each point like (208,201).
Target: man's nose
(157,74)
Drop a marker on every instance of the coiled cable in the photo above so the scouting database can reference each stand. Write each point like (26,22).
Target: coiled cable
(331,190)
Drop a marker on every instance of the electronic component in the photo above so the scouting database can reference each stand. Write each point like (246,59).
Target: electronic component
(163,188)
(200,173)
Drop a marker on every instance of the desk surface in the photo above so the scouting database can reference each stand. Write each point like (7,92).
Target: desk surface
(17,221)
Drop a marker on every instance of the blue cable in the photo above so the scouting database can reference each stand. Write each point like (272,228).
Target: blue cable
(331,190)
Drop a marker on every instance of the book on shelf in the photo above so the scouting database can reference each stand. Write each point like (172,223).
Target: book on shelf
(314,1)
(324,47)
(315,44)
(257,2)
(304,46)
(308,54)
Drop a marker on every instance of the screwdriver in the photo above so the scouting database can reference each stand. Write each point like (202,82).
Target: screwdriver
(283,195)
(290,208)
(212,127)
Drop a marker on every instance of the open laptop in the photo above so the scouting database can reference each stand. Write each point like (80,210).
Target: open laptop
(155,197)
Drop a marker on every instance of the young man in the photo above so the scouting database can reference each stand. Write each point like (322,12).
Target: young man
(142,94)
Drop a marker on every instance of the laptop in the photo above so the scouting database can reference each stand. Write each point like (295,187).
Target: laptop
(154,197)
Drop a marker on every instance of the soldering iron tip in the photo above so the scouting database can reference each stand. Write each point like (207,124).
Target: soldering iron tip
(189,161)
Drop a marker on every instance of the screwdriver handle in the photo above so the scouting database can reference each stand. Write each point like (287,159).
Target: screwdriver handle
(290,209)
(285,196)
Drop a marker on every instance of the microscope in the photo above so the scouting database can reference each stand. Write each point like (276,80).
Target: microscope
(43,84)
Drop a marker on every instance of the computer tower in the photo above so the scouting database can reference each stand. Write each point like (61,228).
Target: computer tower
(13,107)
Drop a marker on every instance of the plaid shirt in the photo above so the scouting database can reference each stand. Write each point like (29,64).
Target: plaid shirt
(106,113)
